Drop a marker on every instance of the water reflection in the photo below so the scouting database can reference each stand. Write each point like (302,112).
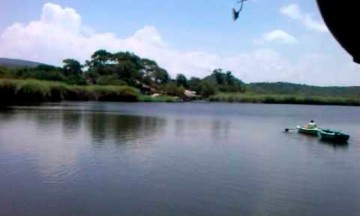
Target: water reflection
(54,141)
(314,140)
(101,127)
(57,144)
(71,123)
(334,145)
(6,114)
(179,127)
(220,128)
(215,128)
(122,129)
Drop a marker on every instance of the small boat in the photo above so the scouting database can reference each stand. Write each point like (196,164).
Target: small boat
(306,130)
(333,136)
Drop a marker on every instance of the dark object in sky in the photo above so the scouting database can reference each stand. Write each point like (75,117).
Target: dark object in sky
(237,13)
(342,20)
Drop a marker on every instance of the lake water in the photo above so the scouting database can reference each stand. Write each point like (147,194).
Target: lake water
(197,159)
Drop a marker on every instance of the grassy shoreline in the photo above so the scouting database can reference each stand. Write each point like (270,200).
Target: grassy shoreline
(283,99)
(34,91)
(25,91)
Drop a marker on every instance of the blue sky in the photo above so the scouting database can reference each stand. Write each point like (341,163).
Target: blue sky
(279,40)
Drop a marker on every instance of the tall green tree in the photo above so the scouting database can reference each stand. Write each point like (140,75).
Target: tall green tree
(71,67)
(73,71)
(100,64)
(229,78)
(218,74)
(100,57)
(181,80)
(195,84)
(127,66)
(153,74)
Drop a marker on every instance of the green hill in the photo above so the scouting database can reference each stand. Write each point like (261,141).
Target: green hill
(17,63)
(283,88)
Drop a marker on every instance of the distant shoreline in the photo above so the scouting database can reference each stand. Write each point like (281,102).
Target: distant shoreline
(284,99)
(19,92)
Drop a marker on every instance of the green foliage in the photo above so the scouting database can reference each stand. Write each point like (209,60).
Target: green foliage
(153,74)
(72,70)
(100,57)
(76,79)
(91,76)
(6,72)
(112,93)
(34,88)
(110,74)
(181,80)
(127,71)
(25,91)
(124,66)
(71,67)
(110,80)
(224,81)
(207,89)
(30,91)
(283,99)
(282,88)
(195,84)
(41,72)
(172,89)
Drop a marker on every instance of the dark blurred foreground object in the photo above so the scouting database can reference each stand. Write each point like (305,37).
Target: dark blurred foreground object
(236,13)
(342,19)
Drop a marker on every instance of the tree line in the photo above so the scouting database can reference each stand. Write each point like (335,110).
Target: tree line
(126,68)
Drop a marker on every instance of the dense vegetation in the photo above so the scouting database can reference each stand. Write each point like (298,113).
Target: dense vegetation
(288,93)
(30,91)
(284,99)
(282,88)
(124,69)
(124,76)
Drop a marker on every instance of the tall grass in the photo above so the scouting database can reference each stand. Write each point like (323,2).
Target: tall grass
(33,91)
(283,99)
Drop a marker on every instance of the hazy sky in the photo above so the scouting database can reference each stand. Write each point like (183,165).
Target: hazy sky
(278,40)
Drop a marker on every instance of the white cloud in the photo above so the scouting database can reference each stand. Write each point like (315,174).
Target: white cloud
(293,11)
(60,33)
(277,36)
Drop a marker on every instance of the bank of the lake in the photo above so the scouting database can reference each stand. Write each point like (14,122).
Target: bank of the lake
(19,91)
(27,91)
(14,91)
(283,99)
(159,99)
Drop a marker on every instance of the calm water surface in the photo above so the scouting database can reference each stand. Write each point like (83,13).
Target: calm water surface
(196,159)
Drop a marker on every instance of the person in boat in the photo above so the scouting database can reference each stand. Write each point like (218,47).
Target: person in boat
(311,125)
